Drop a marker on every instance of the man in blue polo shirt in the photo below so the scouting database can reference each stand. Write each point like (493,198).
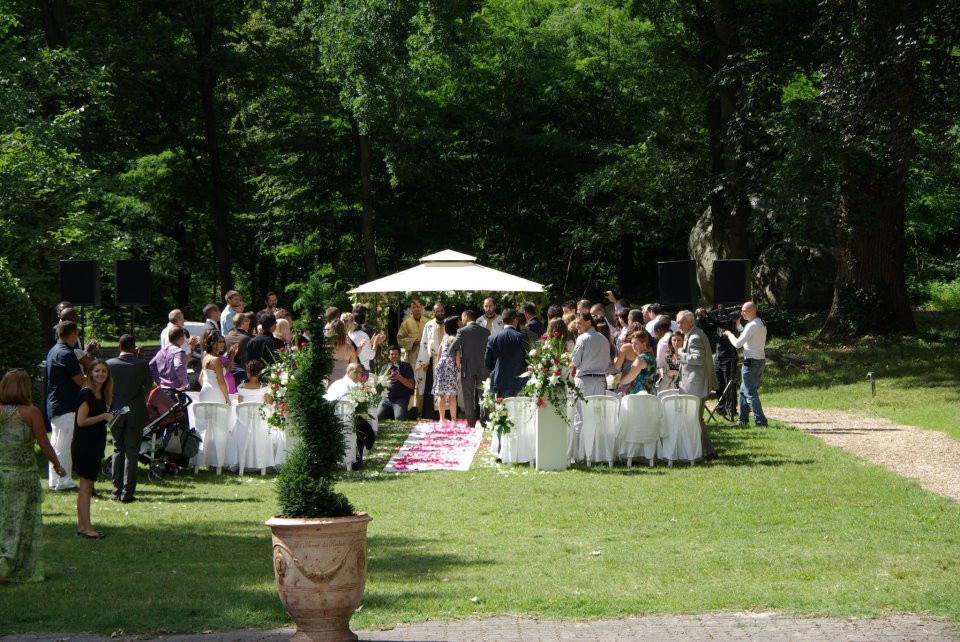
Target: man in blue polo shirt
(400,389)
(64,380)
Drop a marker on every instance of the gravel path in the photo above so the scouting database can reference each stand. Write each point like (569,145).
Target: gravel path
(930,457)
(716,627)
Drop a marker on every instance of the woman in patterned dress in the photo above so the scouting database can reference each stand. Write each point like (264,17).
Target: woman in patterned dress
(445,384)
(21,425)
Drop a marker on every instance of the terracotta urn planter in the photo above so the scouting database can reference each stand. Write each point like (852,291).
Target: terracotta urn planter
(321,569)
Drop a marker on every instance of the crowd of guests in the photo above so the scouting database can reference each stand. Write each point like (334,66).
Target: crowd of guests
(436,368)
(614,348)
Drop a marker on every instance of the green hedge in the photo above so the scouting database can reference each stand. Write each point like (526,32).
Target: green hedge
(20,335)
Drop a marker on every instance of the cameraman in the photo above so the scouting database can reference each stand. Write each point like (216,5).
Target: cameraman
(726,357)
(752,339)
(400,388)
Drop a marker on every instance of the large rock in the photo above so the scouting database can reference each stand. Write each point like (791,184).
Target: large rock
(793,277)
(796,278)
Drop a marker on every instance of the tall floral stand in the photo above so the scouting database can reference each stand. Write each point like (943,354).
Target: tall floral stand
(551,438)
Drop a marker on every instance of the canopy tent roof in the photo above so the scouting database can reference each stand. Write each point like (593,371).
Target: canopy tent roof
(449,271)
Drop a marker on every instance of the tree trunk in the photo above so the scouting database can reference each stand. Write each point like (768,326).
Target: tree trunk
(870,293)
(362,142)
(54,14)
(207,80)
(874,100)
(184,252)
(729,203)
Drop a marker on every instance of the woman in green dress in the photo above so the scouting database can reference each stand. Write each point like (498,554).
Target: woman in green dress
(21,425)
(644,366)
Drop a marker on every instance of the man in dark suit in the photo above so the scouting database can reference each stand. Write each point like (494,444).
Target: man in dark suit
(534,328)
(471,341)
(132,380)
(506,356)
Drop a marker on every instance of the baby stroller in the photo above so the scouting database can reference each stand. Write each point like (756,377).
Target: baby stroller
(170,442)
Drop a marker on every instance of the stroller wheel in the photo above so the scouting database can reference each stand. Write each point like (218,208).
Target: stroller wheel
(154,475)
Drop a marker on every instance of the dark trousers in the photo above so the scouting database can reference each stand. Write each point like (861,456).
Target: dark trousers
(471,397)
(727,372)
(127,437)
(393,409)
(429,412)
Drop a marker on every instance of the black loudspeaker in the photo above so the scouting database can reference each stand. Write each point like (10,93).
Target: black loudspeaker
(731,281)
(133,283)
(80,282)
(678,283)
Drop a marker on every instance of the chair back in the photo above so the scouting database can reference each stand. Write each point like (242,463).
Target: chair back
(598,432)
(212,420)
(523,414)
(344,411)
(681,414)
(640,419)
(668,393)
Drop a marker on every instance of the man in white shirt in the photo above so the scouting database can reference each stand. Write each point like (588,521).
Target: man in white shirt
(342,387)
(753,339)
(490,319)
(429,355)
(175,320)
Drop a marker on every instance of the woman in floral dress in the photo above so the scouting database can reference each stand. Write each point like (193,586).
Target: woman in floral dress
(21,425)
(445,380)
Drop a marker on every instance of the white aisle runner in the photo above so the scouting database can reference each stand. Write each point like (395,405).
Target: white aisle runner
(431,446)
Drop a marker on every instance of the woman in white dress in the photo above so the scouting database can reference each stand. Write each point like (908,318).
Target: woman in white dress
(213,385)
(255,446)
(366,348)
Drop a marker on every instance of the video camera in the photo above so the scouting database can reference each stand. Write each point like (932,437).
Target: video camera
(724,318)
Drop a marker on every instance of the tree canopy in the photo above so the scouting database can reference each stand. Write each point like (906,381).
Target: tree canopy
(253,145)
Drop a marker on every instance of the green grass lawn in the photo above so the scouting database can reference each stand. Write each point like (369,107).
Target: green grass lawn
(918,377)
(781,523)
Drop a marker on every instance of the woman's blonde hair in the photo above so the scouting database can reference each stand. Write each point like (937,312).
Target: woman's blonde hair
(282,330)
(337,333)
(348,322)
(107,390)
(15,388)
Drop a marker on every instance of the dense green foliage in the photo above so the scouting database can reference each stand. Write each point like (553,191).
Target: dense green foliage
(20,341)
(305,483)
(255,144)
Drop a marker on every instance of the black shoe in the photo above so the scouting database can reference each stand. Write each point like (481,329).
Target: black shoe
(128,499)
(743,424)
(115,495)
(97,535)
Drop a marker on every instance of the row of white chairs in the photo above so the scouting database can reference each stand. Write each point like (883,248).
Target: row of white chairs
(636,426)
(238,436)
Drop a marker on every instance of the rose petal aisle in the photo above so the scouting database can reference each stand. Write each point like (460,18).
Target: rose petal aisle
(431,446)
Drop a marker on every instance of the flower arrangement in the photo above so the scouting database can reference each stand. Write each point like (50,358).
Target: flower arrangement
(369,393)
(550,374)
(279,376)
(497,417)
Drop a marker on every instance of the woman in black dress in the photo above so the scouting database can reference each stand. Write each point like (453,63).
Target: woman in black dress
(90,439)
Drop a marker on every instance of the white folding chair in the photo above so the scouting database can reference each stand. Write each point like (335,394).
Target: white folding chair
(573,443)
(523,414)
(254,446)
(598,434)
(681,423)
(668,393)
(344,411)
(212,422)
(639,427)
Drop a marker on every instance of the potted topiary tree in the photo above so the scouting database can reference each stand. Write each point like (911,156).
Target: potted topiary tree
(319,541)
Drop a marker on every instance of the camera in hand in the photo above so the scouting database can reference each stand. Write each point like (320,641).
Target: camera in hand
(725,318)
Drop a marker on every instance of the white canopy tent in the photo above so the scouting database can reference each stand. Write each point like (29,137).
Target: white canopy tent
(449,271)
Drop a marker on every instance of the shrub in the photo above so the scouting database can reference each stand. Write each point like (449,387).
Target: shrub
(20,342)
(305,483)
(944,296)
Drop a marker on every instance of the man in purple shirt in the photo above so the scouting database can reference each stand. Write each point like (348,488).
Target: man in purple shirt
(169,366)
